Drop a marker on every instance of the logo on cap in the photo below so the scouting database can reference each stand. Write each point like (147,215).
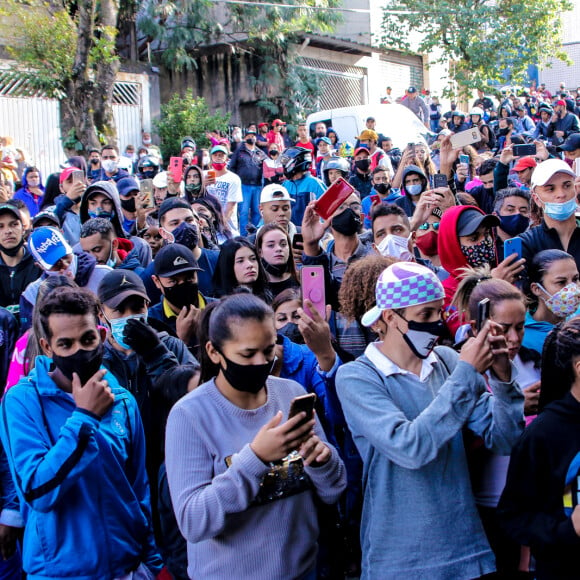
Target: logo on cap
(179,261)
(125,281)
(54,240)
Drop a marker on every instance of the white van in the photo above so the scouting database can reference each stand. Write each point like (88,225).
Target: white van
(393,120)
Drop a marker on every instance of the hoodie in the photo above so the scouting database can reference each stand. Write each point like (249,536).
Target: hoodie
(109,189)
(535,333)
(14,280)
(32,202)
(405,202)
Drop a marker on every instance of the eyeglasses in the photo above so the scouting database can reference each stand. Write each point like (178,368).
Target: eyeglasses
(355,206)
(425,226)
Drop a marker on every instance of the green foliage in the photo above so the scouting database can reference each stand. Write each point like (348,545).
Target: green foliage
(481,39)
(186,116)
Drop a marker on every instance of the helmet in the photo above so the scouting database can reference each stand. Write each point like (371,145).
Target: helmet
(148,167)
(476,111)
(295,159)
(545,107)
(457,113)
(335,163)
(346,149)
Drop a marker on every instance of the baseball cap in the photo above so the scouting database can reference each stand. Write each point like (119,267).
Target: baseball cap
(572,143)
(250,131)
(160,180)
(324,140)
(118,285)
(411,90)
(525,163)
(218,149)
(471,219)
(8,207)
(47,246)
(370,119)
(188,142)
(561,103)
(127,185)
(547,169)
(274,192)
(368,135)
(66,173)
(171,203)
(277,122)
(262,125)
(402,285)
(46,214)
(174,259)
(361,150)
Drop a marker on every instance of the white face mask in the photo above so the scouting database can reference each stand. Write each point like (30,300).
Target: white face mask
(396,247)
(110,165)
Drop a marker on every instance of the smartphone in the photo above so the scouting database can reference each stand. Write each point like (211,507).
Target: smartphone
(176,168)
(312,286)
(464,159)
(211,174)
(333,197)
(146,187)
(512,246)
(375,199)
(440,180)
(304,403)
(298,241)
(522,150)
(482,313)
(463,138)
(577,166)
(78,176)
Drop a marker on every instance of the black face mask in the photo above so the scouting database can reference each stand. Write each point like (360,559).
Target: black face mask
(275,270)
(320,134)
(383,188)
(291,332)
(346,223)
(504,132)
(273,153)
(186,235)
(129,205)
(193,189)
(184,294)
(85,363)
(363,165)
(251,140)
(246,378)
(94,161)
(11,252)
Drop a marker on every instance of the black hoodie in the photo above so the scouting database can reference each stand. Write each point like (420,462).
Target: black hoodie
(531,508)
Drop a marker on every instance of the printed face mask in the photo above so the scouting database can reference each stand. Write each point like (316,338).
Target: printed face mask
(396,247)
(100,212)
(563,303)
(480,254)
(421,337)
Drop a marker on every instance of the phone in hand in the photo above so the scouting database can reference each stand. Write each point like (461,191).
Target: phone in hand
(440,180)
(482,313)
(513,246)
(303,403)
(333,198)
(176,168)
(523,150)
(313,288)
(463,138)
(146,189)
(78,175)
(298,241)
(464,159)
(375,199)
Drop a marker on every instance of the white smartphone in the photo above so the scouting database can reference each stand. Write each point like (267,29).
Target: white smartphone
(463,138)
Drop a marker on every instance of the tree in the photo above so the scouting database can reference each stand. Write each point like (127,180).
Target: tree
(482,40)
(180,30)
(68,53)
(186,116)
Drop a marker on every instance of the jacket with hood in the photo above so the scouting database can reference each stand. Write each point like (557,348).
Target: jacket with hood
(81,481)
(129,256)
(452,258)
(405,202)
(70,220)
(32,202)
(535,333)
(537,501)
(89,275)
(13,281)
(109,189)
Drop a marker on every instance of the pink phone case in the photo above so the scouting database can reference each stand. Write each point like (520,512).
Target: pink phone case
(176,168)
(312,283)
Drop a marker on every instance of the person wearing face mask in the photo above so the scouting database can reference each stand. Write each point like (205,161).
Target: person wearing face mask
(272,168)
(237,420)
(98,239)
(31,191)
(175,275)
(381,183)
(128,189)
(188,148)
(101,199)
(110,169)
(17,267)
(512,207)
(562,124)
(194,183)
(94,168)
(407,403)
(360,178)
(71,407)
(247,162)
(413,184)
(305,142)
(545,112)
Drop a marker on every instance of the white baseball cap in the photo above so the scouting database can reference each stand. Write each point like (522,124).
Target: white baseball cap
(274,192)
(160,180)
(547,169)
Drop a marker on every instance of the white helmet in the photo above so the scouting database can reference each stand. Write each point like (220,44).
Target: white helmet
(476,111)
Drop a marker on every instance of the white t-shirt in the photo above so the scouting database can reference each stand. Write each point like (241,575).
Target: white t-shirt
(228,189)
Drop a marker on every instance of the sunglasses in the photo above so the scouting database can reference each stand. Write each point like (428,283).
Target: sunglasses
(425,226)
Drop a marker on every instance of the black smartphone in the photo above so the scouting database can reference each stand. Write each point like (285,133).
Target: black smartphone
(298,239)
(482,313)
(523,150)
(440,180)
(303,403)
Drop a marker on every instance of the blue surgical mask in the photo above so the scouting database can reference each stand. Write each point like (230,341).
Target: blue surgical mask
(560,211)
(118,328)
(101,213)
(414,189)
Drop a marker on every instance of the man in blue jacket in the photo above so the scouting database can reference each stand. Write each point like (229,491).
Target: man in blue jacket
(76,450)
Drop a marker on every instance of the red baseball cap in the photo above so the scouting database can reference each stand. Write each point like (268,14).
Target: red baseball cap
(277,122)
(561,103)
(524,163)
(360,149)
(262,125)
(66,173)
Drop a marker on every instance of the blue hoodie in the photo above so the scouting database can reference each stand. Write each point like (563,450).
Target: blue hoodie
(81,481)
(32,203)
(535,333)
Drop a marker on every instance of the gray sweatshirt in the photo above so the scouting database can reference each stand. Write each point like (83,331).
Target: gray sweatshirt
(248,520)
(419,516)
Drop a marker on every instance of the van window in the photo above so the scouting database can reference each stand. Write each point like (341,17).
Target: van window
(327,122)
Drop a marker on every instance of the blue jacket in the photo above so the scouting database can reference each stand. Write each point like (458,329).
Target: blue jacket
(247,164)
(81,481)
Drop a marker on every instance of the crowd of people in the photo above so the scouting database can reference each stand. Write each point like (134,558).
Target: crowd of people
(156,344)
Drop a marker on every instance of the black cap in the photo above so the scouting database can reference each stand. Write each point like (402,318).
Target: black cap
(46,214)
(174,259)
(8,207)
(118,285)
(571,144)
(371,119)
(170,203)
(471,219)
(411,90)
